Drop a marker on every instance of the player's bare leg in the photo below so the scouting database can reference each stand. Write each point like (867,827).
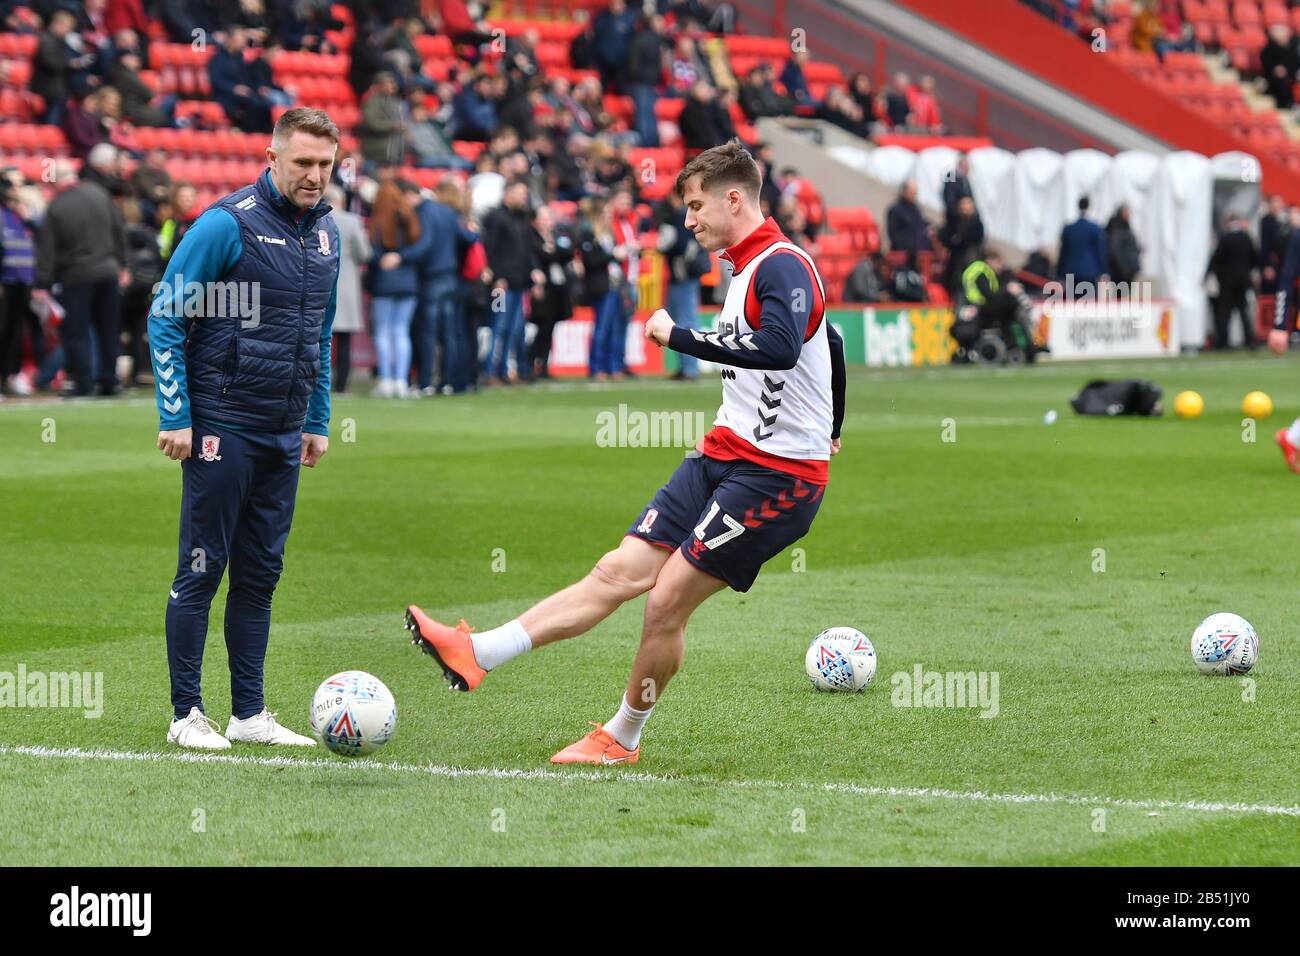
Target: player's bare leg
(627,572)
(679,590)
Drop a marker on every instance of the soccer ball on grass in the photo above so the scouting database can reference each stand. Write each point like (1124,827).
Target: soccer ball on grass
(353,713)
(840,659)
(1225,643)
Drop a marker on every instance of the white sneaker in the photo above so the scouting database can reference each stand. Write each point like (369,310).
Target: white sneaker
(263,729)
(19,385)
(196,732)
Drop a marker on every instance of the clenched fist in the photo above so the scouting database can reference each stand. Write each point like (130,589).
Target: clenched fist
(659,326)
(176,444)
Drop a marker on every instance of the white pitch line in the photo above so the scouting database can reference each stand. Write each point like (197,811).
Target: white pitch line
(507,773)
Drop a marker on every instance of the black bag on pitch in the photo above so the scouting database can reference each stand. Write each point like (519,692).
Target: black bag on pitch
(1130,396)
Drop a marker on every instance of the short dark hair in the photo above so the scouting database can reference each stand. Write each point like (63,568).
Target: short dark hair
(313,121)
(1084,203)
(727,165)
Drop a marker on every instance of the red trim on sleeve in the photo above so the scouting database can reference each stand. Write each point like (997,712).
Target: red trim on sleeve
(722,444)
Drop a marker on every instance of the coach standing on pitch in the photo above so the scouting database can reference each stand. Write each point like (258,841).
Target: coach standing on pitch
(243,377)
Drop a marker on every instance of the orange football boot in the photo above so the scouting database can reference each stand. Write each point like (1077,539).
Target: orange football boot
(449,646)
(597,747)
(1289,451)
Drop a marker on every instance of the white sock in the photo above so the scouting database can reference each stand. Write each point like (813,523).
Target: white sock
(627,724)
(493,648)
(1293,433)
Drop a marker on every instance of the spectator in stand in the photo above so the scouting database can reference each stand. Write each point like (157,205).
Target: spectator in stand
(145,266)
(394,283)
(794,222)
(1083,258)
(842,110)
(506,239)
(453,20)
(769,194)
(17,271)
(53,65)
(81,246)
(795,83)
(122,15)
(123,74)
(520,98)
(925,108)
(553,253)
(686,261)
(1038,268)
(703,122)
(260,72)
(354,252)
(183,18)
(863,92)
(905,225)
(427,139)
(645,70)
(1147,29)
(92,33)
(898,102)
(612,168)
(1123,254)
(627,257)
(864,284)
(438,339)
(235,87)
(759,98)
(487,187)
(152,182)
(474,110)
(963,236)
(1279,63)
(688,67)
(83,124)
(1274,231)
(956,187)
(302,26)
(596,245)
(120,134)
(403,58)
(612,39)
(1233,264)
(381,130)
(367,58)
(251,13)
(177,217)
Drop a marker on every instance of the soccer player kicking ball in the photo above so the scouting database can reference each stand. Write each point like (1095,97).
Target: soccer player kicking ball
(1288,439)
(748,491)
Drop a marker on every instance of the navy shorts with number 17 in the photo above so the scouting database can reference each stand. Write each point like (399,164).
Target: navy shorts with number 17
(728,517)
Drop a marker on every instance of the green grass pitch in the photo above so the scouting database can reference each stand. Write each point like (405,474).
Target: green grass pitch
(979,554)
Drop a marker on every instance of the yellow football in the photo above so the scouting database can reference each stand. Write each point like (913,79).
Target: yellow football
(1189,405)
(1257,405)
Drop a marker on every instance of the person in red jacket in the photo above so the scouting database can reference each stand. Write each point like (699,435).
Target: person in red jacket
(126,15)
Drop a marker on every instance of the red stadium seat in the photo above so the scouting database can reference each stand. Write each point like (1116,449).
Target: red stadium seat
(1246,13)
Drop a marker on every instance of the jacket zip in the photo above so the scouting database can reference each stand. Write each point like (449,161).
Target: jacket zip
(302,309)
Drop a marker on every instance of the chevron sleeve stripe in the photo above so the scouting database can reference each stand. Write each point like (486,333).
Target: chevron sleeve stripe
(782,286)
(1286,281)
(209,250)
